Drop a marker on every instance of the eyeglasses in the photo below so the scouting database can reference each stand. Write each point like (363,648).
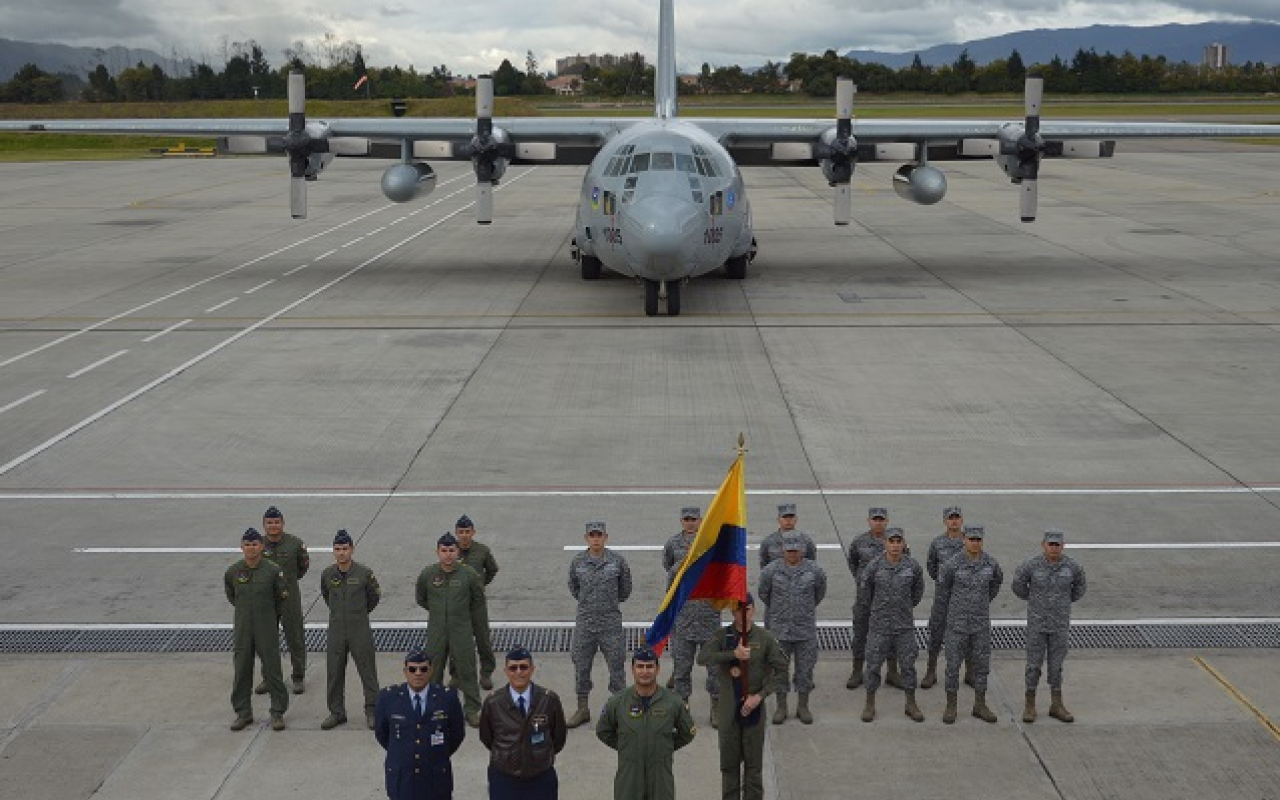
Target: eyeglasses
(418,669)
(519,667)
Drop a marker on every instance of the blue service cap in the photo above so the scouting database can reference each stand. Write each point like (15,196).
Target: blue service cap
(464,522)
(342,537)
(644,654)
(417,656)
(251,535)
(272,513)
(447,540)
(519,653)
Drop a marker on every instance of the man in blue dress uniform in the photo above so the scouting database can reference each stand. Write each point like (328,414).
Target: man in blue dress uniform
(420,725)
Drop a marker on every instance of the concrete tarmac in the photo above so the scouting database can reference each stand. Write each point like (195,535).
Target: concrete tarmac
(176,354)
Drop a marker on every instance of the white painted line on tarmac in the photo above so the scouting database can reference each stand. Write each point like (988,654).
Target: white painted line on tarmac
(353,241)
(169,329)
(223,304)
(151,550)
(17,403)
(395,221)
(260,286)
(87,421)
(376,230)
(97,364)
(323,256)
(296,269)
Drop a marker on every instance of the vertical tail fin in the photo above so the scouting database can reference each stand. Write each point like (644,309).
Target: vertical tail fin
(664,87)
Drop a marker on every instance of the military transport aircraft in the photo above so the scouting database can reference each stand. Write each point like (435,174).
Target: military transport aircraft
(663,199)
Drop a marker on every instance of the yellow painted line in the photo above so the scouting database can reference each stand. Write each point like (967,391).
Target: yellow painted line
(1239,697)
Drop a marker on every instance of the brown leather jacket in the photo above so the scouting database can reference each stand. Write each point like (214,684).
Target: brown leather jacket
(522,747)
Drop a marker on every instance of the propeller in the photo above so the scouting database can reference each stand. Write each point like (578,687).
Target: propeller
(298,144)
(1030,150)
(488,153)
(841,153)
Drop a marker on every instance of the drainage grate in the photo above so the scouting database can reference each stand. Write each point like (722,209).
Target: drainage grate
(557,638)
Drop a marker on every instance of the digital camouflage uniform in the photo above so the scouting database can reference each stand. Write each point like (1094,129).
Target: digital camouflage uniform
(600,585)
(646,732)
(862,551)
(791,596)
(452,600)
(351,596)
(258,593)
(480,558)
(892,592)
(1049,590)
(742,739)
(941,550)
(971,585)
(771,546)
(290,554)
(696,623)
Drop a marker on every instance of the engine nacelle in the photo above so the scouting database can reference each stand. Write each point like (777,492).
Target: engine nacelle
(404,182)
(316,162)
(920,183)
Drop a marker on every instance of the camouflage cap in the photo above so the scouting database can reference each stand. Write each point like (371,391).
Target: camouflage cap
(1054,535)
(951,511)
(893,533)
(974,532)
(877,512)
(690,512)
(596,525)
(786,509)
(792,543)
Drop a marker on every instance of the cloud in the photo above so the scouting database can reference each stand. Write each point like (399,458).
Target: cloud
(474,38)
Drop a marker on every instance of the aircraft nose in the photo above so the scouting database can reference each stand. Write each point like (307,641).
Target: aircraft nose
(663,230)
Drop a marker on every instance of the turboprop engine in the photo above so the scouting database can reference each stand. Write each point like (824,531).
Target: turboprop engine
(920,183)
(404,182)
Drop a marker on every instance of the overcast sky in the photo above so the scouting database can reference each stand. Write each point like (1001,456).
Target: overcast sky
(473,37)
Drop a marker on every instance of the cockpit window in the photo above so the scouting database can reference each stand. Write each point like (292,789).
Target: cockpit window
(639,163)
(664,161)
(684,162)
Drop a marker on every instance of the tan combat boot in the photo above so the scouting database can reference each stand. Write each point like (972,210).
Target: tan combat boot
(583,714)
(869,710)
(892,676)
(802,710)
(1056,709)
(1029,710)
(930,674)
(780,712)
(949,714)
(980,709)
(855,677)
(912,710)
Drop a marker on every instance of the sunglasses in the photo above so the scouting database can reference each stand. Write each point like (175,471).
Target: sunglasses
(519,667)
(417,670)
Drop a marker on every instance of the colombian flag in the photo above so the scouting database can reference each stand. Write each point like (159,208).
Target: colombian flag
(715,568)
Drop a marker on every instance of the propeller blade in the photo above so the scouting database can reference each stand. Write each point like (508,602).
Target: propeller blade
(484,202)
(1034,95)
(297,100)
(845,90)
(843,203)
(484,106)
(1027,200)
(298,197)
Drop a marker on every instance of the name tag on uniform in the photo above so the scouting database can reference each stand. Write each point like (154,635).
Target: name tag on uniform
(437,739)
(538,737)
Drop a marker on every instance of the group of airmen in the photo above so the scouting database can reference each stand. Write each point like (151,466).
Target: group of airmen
(743,660)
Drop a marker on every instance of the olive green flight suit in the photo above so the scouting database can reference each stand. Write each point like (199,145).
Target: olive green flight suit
(742,741)
(258,593)
(646,738)
(480,558)
(350,597)
(291,555)
(452,600)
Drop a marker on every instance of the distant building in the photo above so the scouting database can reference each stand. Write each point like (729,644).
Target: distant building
(566,84)
(607,61)
(1215,56)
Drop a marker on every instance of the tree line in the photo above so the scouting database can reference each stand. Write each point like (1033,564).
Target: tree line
(247,74)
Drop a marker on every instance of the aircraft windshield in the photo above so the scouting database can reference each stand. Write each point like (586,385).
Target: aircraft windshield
(664,161)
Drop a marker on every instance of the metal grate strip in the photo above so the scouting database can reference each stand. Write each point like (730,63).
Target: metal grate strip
(558,638)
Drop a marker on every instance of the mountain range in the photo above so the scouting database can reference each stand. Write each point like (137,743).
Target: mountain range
(1245,41)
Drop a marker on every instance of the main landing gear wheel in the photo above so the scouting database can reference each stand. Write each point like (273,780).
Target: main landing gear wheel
(673,298)
(736,267)
(650,298)
(590,267)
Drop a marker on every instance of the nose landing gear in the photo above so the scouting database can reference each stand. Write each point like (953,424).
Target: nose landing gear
(661,290)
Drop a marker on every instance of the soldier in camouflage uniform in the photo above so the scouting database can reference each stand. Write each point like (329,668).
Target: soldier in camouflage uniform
(1050,583)
(892,584)
(791,590)
(750,666)
(600,580)
(290,554)
(351,591)
(862,551)
(941,550)
(453,594)
(257,589)
(697,622)
(771,546)
(971,580)
(479,557)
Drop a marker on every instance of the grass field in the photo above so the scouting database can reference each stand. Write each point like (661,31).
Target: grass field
(63,147)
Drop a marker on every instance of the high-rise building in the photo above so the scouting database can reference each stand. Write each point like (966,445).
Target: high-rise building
(1215,56)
